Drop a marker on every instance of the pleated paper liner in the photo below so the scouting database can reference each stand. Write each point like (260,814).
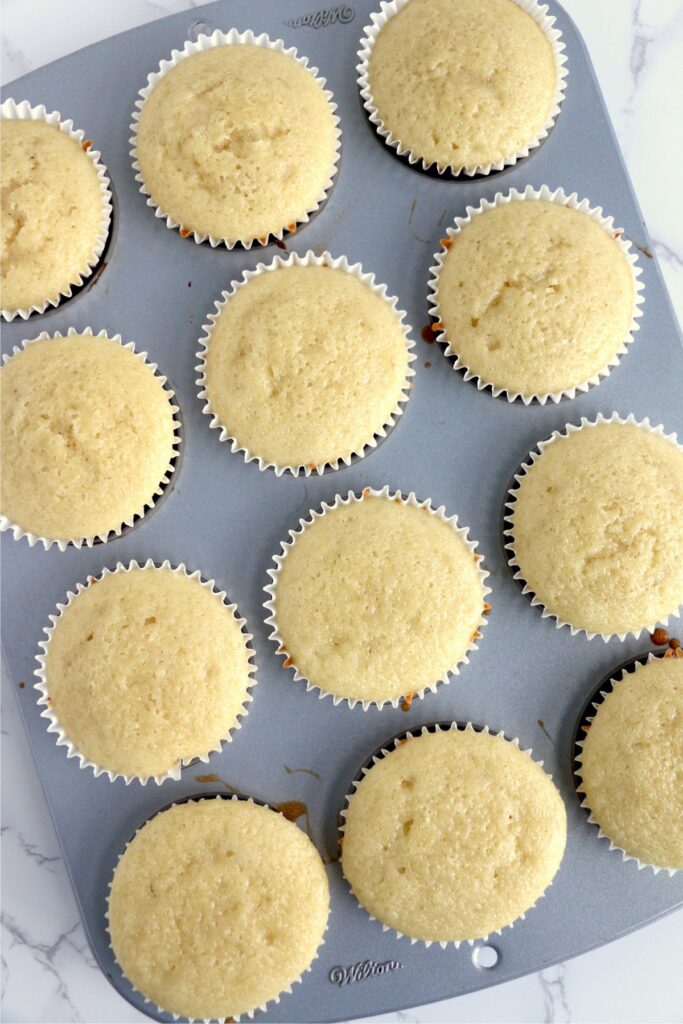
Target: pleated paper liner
(509,511)
(23,111)
(389,8)
(530,194)
(606,685)
(379,754)
(314,514)
(207,42)
(43,684)
(307,260)
(249,1014)
(165,483)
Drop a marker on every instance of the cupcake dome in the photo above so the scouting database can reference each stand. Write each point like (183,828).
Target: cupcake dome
(597,527)
(217,907)
(88,436)
(535,297)
(53,210)
(305,365)
(631,763)
(452,835)
(463,84)
(144,669)
(377,598)
(236,142)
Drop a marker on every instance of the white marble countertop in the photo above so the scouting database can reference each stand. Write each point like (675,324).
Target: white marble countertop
(48,973)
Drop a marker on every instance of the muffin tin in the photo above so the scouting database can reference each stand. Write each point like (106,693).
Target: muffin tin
(453,444)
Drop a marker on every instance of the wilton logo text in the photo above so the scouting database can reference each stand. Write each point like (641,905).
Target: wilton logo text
(361,971)
(342,13)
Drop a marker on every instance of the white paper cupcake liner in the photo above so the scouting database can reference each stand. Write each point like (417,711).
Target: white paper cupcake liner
(307,260)
(387,748)
(509,517)
(232,38)
(388,8)
(25,112)
(43,682)
(102,538)
(304,524)
(587,720)
(559,196)
(207,1020)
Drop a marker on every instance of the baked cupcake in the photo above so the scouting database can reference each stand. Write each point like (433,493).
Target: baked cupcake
(144,671)
(217,907)
(56,209)
(596,527)
(89,438)
(305,364)
(467,86)
(631,760)
(451,835)
(535,295)
(377,598)
(236,139)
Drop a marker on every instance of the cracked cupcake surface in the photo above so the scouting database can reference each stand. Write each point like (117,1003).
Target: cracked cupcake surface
(535,297)
(305,364)
(217,907)
(237,142)
(87,437)
(452,835)
(462,83)
(631,763)
(52,213)
(597,528)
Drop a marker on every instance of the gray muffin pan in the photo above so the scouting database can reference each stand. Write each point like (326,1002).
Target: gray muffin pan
(453,444)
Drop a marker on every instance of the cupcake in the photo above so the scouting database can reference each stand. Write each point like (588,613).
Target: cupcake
(56,209)
(89,438)
(630,763)
(451,835)
(217,907)
(144,671)
(305,364)
(535,295)
(596,527)
(377,598)
(235,140)
(467,86)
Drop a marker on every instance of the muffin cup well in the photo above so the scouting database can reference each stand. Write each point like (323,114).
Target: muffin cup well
(509,516)
(307,260)
(23,111)
(44,689)
(388,8)
(102,538)
(605,688)
(194,1020)
(387,748)
(544,194)
(304,524)
(231,38)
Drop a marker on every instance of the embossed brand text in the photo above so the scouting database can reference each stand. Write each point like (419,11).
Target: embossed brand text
(342,13)
(361,971)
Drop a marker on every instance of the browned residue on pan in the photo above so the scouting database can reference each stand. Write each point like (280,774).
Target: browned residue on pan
(212,777)
(302,771)
(292,810)
(407,701)
(541,726)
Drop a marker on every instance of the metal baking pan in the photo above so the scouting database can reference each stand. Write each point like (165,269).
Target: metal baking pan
(453,444)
